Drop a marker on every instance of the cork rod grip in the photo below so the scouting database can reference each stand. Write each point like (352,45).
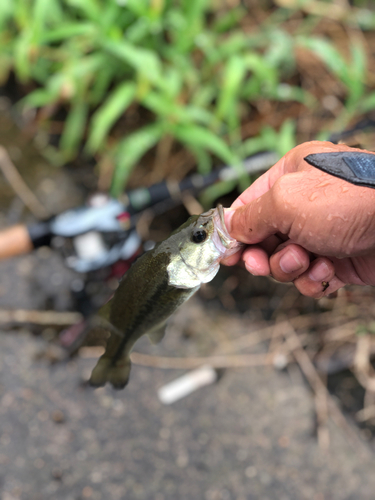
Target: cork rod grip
(15,241)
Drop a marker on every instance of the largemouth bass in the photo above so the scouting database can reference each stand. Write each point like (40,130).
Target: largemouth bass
(156,285)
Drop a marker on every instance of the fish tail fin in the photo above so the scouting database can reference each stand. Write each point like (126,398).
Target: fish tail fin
(115,372)
(114,365)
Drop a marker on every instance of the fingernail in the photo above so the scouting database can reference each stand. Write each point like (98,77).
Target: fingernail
(319,272)
(228,214)
(290,263)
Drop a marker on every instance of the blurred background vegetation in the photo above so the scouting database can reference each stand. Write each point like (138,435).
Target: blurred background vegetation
(166,86)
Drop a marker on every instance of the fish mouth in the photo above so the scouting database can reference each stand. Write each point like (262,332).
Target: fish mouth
(221,230)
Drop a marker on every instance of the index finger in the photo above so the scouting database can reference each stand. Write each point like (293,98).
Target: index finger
(291,162)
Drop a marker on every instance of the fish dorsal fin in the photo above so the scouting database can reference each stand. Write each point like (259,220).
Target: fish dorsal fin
(157,335)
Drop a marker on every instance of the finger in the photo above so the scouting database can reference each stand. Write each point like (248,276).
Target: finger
(317,292)
(319,280)
(265,207)
(289,262)
(291,162)
(256,261)
(256,257)
(356,271)
(232,259)
(260,185)
(259,219)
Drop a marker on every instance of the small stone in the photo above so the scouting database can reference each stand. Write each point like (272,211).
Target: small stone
(57,474)
(58,416)
(87,492)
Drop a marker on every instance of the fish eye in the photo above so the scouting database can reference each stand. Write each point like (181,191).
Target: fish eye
(199,235)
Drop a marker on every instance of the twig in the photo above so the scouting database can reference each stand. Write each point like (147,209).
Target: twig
(325,401)
(334,11)
(191,204)
(226,361)
(20,187)
(320,390)
(39,317)
(362,367)
(365,413)
(339,333)
(298,322)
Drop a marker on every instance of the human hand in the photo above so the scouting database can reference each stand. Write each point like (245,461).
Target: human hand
(306,226)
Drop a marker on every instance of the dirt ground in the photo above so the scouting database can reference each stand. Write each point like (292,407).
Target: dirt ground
(249,436)
(252,435)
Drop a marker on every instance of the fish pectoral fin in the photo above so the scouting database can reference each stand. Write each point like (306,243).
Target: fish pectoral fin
(157,335)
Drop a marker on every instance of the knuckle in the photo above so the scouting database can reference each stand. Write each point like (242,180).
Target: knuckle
(280,190)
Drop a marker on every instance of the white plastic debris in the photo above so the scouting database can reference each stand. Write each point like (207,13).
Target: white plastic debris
(185,385)
(280,361)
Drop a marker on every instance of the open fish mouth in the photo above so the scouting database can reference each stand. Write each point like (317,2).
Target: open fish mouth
(222,240)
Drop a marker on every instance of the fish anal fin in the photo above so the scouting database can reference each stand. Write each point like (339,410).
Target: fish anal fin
(157,334)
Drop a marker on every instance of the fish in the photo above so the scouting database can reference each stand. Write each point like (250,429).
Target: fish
(156,284)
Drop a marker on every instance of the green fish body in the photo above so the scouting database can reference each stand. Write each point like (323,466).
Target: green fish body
(155,286)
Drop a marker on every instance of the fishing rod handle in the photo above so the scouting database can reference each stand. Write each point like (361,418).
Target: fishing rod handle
(21,239)
(15,240)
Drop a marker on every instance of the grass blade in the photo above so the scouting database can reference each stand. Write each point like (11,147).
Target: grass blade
(102,121)
(194,135)
(74,128)
(130,151)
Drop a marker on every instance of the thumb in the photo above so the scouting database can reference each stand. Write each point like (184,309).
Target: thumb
(255,221)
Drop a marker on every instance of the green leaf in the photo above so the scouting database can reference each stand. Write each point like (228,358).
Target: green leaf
(286,92)
(328,53)
(287,137)
(114,106)
(351,73)
(212,193)
(39,98)
(255,145)
(194,135)
(229,19)
(74,128)
(203,158)
(21,56)
(6,10)
(41,10)
(265,74)
(101,84)
(144,61)
(66,31)
(129,152)
(367,103)
(90,8)
(357,74)
(234,73)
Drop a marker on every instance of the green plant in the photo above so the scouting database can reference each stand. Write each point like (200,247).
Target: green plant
(97,59)
(187,69)
(350,72)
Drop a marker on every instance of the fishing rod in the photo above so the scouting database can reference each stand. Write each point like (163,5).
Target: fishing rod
(88,225)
